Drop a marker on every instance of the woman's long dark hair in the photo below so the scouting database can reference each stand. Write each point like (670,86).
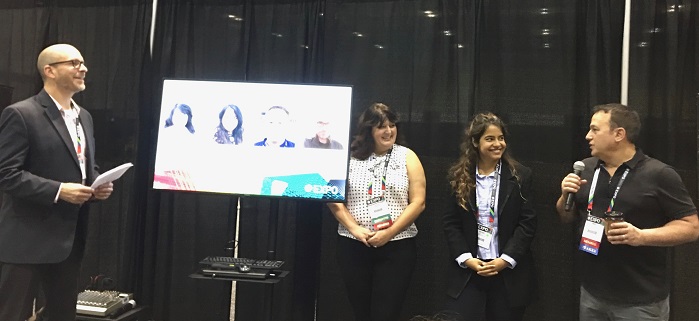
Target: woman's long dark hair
(185,109)
(363,143)
(229,136)
(461,176)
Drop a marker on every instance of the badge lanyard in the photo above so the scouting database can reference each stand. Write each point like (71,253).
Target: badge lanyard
(79,143)
(493,191)
(594,228)
(377,206)
(383,178)
(486,233)
(590,200)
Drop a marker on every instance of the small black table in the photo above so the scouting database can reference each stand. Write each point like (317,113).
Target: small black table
(279,275)
(139,313)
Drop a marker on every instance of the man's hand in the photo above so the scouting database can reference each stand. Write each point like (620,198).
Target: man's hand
(103,191)
(624,233)
(571,184)
(75,193)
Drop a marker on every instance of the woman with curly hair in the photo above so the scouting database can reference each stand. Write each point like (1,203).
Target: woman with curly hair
(230,126)
(489,226)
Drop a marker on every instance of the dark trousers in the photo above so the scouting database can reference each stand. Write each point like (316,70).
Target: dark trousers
(376,279)
(19,285)
(594,309)
(485,298)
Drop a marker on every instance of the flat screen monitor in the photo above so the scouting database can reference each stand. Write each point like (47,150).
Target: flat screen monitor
(263,139)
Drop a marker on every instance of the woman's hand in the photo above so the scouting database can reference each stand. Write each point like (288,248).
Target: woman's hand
(486,268)
(362,234)
(380,238)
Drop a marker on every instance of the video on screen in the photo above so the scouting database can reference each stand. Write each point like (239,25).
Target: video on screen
(278,140)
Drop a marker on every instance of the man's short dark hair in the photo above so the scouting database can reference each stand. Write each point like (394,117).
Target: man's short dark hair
(624,117)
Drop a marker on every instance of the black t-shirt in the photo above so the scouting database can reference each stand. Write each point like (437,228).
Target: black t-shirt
(651,195)
(315,143)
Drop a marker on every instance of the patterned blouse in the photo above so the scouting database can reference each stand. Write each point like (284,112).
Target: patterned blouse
(362,173)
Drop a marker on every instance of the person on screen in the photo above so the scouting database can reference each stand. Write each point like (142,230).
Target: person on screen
(489,226)
(47,164)
(624,269)
(322,139)
(180,117)
(276,120)
(376,252)
(230,126)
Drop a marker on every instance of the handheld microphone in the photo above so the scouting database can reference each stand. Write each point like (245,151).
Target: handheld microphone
(578,167)
(123,309)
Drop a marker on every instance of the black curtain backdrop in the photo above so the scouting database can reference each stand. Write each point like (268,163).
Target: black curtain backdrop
(540,64)
(663,83)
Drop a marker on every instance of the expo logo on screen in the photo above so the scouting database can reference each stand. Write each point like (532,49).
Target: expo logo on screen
(321,189)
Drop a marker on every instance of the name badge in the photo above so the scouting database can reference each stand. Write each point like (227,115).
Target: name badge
(592,235)
(380,214)
(485,234)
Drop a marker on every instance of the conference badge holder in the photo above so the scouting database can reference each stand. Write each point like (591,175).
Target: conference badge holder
(380,215)
(592,235)
(485,235)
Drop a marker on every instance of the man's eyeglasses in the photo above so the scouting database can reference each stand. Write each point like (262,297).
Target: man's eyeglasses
(75,62)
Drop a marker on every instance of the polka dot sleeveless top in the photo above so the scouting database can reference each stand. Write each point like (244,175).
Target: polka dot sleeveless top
(362,173)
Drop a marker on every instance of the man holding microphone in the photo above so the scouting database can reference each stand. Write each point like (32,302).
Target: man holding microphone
(630,209)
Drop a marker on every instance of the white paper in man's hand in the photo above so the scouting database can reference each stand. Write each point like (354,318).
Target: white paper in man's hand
(111,175)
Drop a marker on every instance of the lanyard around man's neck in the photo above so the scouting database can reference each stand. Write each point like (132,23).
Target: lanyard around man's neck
(590,200)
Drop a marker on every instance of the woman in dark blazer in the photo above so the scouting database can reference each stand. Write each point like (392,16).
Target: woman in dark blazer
(489,226)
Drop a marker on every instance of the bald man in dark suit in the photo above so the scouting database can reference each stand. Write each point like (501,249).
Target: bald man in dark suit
(47,164)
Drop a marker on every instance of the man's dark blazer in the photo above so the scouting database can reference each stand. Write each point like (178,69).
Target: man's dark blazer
(516,228)
(36,156)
